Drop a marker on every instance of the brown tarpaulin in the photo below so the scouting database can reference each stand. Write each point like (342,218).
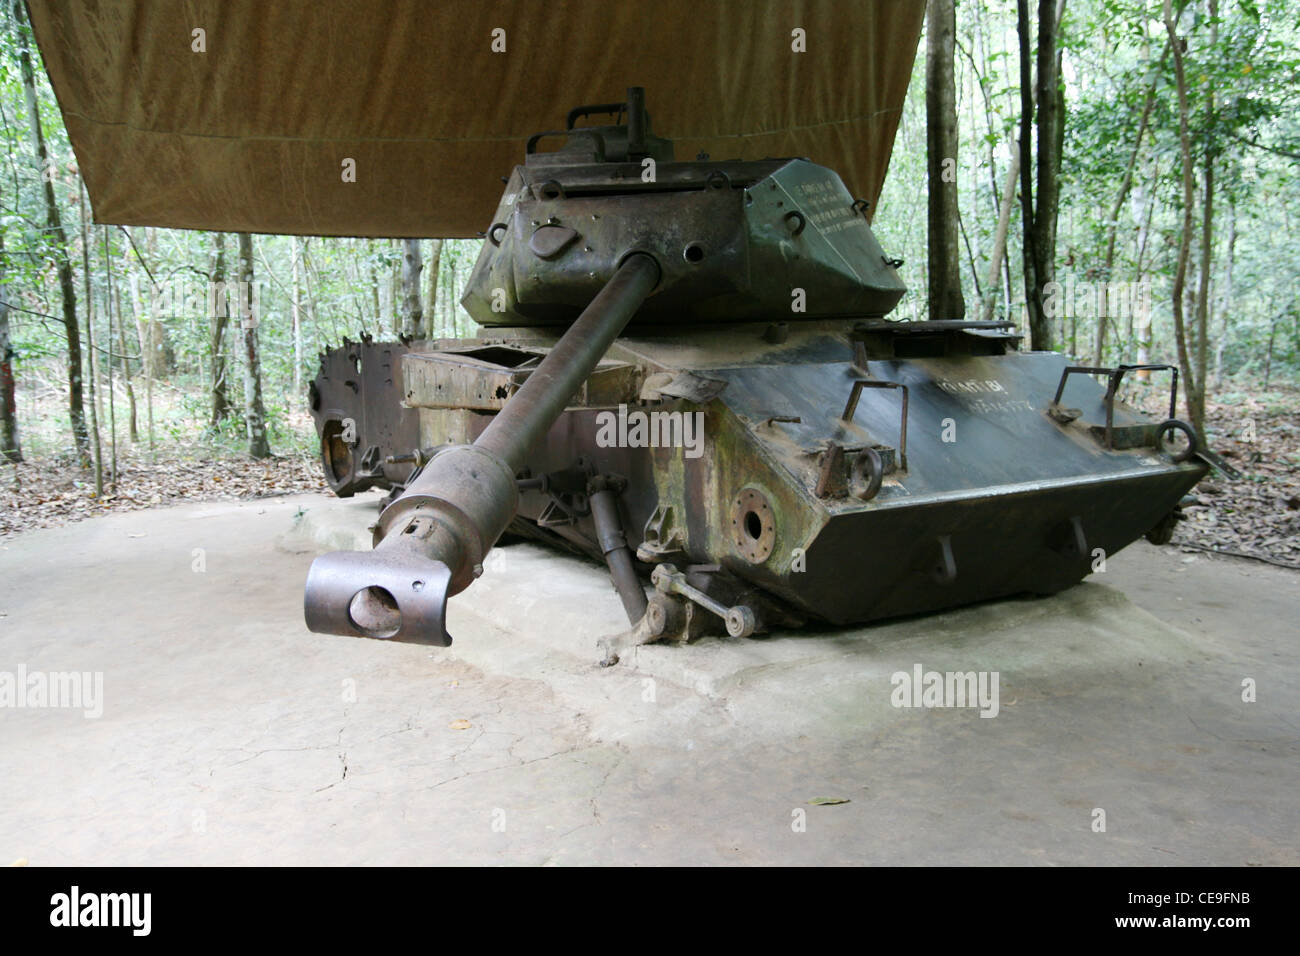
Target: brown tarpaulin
(252,134)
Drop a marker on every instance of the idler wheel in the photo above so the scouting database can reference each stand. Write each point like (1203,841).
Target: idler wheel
(867,473)
(1173,425)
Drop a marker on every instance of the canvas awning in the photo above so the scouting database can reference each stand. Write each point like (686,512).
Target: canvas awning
(252,134)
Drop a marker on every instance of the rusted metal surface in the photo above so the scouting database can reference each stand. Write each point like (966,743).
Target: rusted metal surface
(1134,436)
(356,402)
(484,377)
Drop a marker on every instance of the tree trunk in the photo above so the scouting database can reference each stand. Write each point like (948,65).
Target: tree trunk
(435,262)
(1207,242)
(112,396)
(1000,236)
(1040,328)
(1268,355)
(1201,353)
(90,345)
(375,297)
(412,310)
(1146,199)
(1225,299)
(449,288)
(387,293)
(10,447)
(1039,212)
(297,324)
(144,331)
(309,291)
(54,225)
(971,237)
(254,409)
(395,288)
(124,366)
(113,305)
(219,309)
(946,300)
(1185,233)
(1051,129)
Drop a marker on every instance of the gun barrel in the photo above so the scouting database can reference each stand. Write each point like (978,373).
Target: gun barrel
(430,542)
(538,403)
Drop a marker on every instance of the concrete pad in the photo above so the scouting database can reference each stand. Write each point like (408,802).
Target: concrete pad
(230,734)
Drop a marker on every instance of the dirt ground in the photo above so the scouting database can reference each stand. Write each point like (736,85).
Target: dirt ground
(50,492)
(1258,514)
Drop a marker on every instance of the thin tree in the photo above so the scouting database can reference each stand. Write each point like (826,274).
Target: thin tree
(1225,296)
(219,316)
(999,259)
(112,404)
(1040,329)
(999,254)
(297,321)
(435,262)
(451,326)
(394,287)
(10,447)
(1207,238)
(1190,390)
(1147,200)
(90,344)
(412,310)
(144,331)
(376,304)
(946,300)
(1039,212)
(123,356)
(254,409)
(1051,138)
(54,226)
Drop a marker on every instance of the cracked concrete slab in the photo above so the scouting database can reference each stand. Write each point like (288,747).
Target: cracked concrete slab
(231,735)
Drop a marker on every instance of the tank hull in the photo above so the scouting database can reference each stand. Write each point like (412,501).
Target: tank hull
(721,440)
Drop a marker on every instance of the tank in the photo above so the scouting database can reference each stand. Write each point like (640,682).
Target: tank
(687,370)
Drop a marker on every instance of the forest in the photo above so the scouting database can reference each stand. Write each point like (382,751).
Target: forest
(1111,175)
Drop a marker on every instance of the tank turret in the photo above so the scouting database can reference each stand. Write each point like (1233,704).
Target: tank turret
(734,240)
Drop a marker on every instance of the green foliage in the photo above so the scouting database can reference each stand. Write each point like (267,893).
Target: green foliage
(1114,53)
